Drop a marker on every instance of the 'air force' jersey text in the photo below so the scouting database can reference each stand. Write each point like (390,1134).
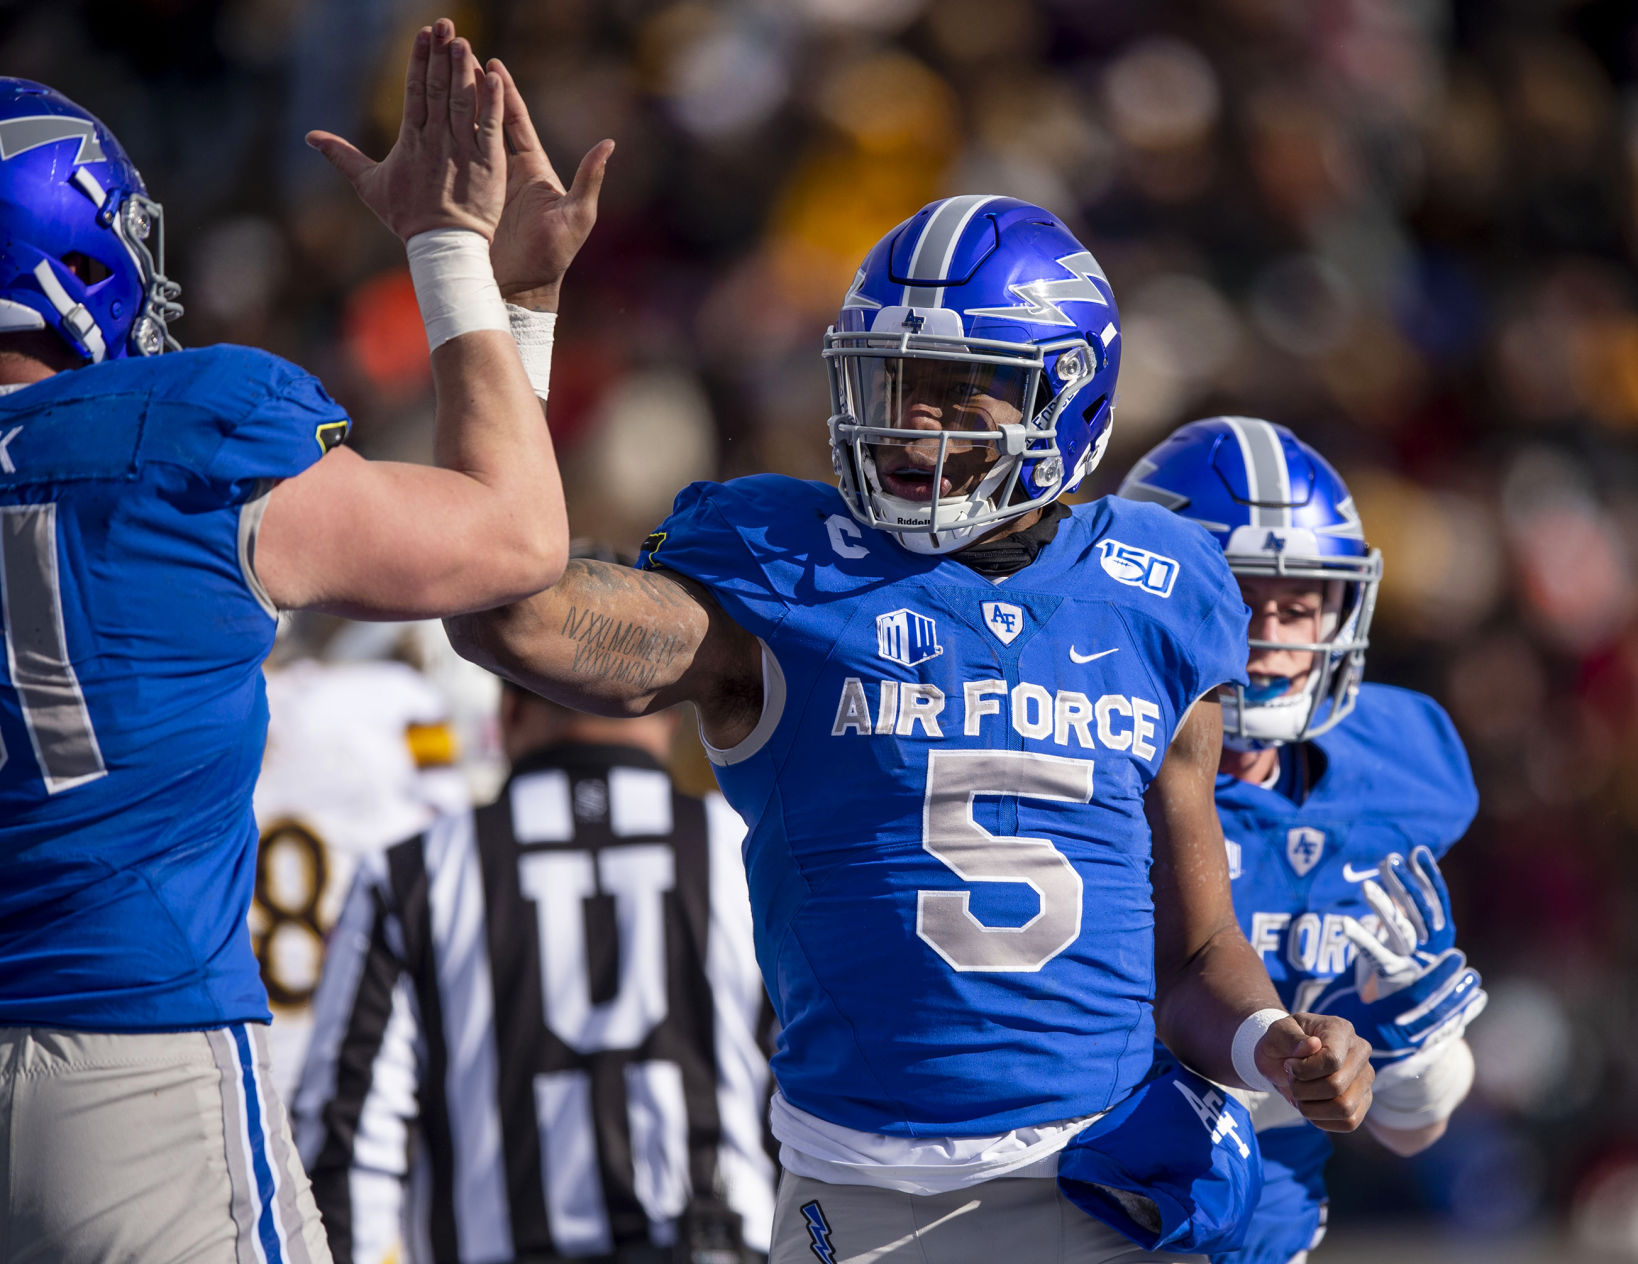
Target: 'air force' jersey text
(132,712)
(948,856)
(1395,777)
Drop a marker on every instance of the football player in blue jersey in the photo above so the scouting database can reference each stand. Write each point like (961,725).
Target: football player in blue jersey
(974,733)
(1336,796)
(156,513)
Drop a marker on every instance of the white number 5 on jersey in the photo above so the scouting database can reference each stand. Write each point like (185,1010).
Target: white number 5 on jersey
(943,918)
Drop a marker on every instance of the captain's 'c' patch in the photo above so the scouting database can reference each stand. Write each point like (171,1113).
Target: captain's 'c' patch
(330,434)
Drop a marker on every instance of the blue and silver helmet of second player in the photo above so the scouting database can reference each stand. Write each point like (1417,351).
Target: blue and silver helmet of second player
(81,244)
(994,288)
(1279,510)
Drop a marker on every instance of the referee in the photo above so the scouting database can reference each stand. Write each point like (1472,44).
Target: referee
(540,1034)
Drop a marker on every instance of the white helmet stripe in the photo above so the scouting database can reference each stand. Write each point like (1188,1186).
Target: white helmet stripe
(936,248)
(1268,481)
(89,185)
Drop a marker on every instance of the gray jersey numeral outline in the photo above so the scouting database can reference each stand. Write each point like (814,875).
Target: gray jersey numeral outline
(43,677)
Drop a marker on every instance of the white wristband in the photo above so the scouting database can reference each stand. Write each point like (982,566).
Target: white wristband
(1424,1088)
(1244,1050)
(533,332)
(454,283)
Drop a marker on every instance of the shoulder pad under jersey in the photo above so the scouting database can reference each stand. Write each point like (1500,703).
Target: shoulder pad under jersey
(763,543)
(1166,571)
(232,417)
(1398,755)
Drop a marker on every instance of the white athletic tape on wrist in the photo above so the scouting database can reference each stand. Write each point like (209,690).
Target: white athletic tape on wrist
(1244,1050)
(1423,1088)
(533,332)
(454,284)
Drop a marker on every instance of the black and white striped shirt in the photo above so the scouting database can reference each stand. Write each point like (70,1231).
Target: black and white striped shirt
(541,1029)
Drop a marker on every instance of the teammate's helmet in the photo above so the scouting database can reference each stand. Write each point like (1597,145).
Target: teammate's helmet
(75,227)
(1280,511)
(996,290)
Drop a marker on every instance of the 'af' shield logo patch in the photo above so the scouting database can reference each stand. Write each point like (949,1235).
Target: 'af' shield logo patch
(1303,848)
(1006,621)
(907,638)
(1128,564)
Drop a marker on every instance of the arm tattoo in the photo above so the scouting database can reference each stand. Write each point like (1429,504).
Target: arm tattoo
(624,651)
(617,649)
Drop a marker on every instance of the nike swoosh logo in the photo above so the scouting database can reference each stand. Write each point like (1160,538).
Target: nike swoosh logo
(1350,874)
(1088,658)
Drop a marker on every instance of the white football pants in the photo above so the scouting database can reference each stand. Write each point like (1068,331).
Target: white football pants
(1003,1221)
(168,1146)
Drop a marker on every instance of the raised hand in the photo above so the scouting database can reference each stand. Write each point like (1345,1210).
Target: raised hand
(1321,1067)
(1411,985)
(447,169)
(543,225)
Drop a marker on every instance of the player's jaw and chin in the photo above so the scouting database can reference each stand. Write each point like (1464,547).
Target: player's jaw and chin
(950,438)
(908,469)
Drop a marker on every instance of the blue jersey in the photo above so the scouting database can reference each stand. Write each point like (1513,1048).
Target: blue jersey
(948,856)
(132,714)
(1394,776)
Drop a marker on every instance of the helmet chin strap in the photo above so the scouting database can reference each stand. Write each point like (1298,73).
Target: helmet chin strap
(927,542)
(77,321)
(1254,719)
(958,509)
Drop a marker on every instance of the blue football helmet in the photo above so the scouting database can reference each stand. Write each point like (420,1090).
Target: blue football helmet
(1280,511)
(973,296)
(75,228)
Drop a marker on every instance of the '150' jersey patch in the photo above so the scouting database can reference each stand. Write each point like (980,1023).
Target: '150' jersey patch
(1138,568)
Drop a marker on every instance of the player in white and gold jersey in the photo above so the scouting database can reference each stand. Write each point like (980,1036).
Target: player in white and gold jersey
(359,756)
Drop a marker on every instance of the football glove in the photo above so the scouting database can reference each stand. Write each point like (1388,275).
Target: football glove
(1411,987)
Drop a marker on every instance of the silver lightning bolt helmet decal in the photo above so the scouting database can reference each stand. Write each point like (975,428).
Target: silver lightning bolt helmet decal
(853,298)
(1041,302)
(19,135)
(1136,487)
(1350,528)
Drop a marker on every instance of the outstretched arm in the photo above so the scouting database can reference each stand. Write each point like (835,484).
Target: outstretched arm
(617,641)
(605,639)
(387,540)
(1208,979)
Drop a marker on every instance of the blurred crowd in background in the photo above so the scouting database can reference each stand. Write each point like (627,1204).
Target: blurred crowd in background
(1405,228)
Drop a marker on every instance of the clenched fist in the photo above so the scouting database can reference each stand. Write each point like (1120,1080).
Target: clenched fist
(1321,1066)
